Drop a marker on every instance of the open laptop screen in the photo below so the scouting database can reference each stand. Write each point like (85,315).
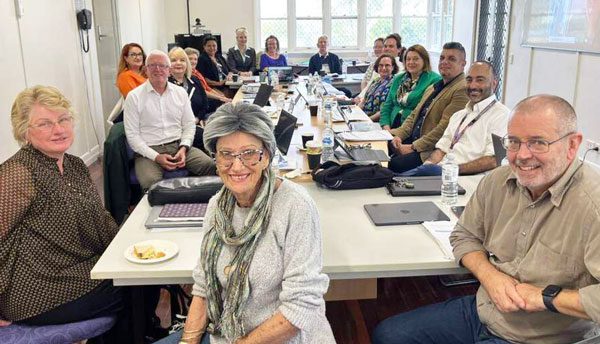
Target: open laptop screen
(284,130)
(285,74)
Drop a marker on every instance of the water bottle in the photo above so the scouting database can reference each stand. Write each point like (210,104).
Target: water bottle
(327,144)
(449,180)
(327,111)
(274,79)
(344,67)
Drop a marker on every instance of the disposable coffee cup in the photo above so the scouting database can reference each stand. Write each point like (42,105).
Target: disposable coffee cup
(314,109)
(307,137)
(235,77)
(313,153)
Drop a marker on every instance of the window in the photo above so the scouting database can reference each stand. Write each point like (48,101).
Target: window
(344,23)
(274,17)
(309,22)
(380,21)
(355,24)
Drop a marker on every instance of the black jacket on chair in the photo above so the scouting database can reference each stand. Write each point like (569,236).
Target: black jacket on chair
(209,70)
(237,64)
(315,64)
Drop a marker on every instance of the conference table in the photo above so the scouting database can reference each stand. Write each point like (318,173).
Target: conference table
(355,251)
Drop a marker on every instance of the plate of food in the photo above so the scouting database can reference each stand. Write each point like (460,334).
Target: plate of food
(151,251)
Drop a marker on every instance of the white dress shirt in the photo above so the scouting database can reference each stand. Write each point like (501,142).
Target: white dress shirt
(152,119)
(476,141)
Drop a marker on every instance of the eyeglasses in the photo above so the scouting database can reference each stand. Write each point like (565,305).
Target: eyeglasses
(249,157)
(47,126)
(513,144)
(135,54)
(157,66)
(384,65)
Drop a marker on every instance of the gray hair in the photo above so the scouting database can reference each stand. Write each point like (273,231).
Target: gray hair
(566,119)
(323,37)
(157,52)
(192,51)
(248,118)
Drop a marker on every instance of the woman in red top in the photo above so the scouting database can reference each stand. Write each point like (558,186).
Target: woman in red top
(131,71)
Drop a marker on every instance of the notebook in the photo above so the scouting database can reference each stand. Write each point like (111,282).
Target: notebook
(183,212)
(262,97)
(153,221)
(499,150)
(423,186)
(409,213)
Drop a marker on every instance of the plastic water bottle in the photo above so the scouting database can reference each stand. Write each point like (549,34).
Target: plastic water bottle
(449,180)
(274,79)
(344,67)
(328,105)
(327,144)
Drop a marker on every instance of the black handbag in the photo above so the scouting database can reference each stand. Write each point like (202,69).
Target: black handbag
(352,176)
(184,190)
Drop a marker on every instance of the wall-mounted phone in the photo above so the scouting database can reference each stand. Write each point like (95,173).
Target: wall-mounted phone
(84,19)
(84,22)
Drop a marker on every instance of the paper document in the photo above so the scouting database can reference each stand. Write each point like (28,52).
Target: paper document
(440,231)
(378,135)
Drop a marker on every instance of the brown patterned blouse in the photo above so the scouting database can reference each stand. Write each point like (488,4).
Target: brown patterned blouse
(53,229)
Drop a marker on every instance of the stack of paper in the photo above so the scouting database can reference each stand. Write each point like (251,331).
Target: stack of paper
(440,231)
(177,215)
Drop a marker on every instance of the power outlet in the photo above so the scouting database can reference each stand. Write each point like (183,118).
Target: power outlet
(592,145)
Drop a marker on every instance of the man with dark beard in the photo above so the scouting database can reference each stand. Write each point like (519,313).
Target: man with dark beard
(469,132)
(531,235)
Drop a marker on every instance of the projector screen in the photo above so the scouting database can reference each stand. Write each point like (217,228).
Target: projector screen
(562,24)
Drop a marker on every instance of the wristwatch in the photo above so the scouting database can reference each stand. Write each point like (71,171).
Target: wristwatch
(187,148)
(548,295)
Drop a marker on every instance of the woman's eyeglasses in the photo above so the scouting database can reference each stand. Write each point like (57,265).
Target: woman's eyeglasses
(135,55)
(513,144)
(249,157)
(46,126)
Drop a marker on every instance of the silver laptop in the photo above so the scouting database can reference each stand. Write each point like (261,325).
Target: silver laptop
(410,213)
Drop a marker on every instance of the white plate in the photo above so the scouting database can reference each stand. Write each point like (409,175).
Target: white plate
(168,247)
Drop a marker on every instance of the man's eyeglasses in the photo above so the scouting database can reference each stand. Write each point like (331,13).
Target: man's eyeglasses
(513,144)
(249,157)
(135,54)
(47,126)
(157,66)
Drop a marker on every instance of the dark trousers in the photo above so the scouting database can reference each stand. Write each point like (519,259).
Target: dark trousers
(404,162)
(454,322)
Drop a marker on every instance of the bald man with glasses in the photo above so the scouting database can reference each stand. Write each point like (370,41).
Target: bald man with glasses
(531,235)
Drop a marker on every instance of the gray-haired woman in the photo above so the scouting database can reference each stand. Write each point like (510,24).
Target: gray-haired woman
(259,276)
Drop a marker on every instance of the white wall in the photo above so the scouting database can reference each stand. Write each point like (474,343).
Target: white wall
(145,22)
(43,47)
(571,75)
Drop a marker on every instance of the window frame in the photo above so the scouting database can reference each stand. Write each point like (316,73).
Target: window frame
(361,24)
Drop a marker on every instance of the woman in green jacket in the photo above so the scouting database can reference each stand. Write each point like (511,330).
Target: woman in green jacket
(407,88)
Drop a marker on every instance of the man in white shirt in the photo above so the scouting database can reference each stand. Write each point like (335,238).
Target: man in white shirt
(160,126)
(469,133)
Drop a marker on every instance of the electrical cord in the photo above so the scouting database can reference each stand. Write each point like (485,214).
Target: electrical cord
(595,149)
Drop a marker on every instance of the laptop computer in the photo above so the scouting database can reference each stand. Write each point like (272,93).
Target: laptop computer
(422,186)
(499,150)
(360,154)
(285,74)
(389,214)
(262,97)
(284,130)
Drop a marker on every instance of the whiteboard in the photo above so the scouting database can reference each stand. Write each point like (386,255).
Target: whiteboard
(562,24)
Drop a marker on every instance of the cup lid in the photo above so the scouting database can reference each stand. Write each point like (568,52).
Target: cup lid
(313,144)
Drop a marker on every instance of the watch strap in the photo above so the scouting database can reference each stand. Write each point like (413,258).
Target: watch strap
(548,303)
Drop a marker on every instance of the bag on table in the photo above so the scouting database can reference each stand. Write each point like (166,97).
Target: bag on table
(352,176)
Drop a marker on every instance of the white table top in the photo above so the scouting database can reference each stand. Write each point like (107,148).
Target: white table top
(352,246)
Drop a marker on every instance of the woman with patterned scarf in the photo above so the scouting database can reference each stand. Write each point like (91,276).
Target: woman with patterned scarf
(259,276)
(407,88)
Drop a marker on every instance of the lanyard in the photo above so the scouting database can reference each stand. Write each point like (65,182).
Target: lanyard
(459,133)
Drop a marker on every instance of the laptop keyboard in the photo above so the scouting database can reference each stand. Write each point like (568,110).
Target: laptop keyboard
(363,154)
